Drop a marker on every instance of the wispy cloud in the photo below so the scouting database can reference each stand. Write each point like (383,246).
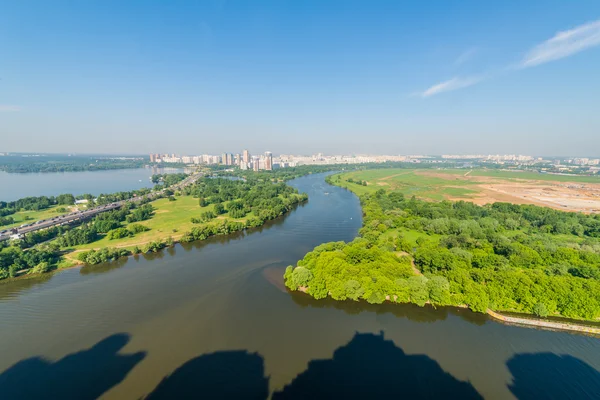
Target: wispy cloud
(449,85)
(465,56)
(9,108)
(564,44)
(561,45)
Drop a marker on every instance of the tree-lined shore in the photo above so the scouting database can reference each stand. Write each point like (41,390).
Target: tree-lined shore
(504,257)
(209,207)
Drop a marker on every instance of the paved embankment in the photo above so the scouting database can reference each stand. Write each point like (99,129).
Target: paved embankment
(545,324)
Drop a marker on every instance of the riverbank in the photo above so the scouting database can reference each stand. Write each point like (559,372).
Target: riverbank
(545,324)
(70,259)
(212,207)
(415,251)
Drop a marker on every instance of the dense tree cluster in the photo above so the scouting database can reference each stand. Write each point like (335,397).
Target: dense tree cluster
(14,259)
(6,221)
(33,238)
(358,182)
(105,254)
(34,203)
(259,198)
(82,235)
(521,258)
(239,197)
(141,213)
(64,163)
(168,179)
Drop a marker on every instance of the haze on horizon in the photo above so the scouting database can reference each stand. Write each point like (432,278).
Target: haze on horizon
(381,77)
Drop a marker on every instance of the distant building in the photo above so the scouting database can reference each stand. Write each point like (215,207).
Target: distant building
(246,156)
(268,161)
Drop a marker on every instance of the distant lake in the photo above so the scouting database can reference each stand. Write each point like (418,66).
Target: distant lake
(16,186)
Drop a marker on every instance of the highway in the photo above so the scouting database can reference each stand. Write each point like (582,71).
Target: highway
(80,216)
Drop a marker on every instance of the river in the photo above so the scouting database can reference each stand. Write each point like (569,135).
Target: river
(211,320)
(16,186)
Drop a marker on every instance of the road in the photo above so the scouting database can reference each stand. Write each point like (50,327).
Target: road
(80,216)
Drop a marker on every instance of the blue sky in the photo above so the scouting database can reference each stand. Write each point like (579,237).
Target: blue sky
(387,77)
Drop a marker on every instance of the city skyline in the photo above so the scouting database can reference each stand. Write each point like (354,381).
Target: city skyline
(461,155)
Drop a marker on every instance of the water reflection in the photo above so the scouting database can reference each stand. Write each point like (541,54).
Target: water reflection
(86,374)
(410,311)
(12,288)
(153,256)
(104,267)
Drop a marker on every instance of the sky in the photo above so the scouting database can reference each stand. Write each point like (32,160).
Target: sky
(300,77)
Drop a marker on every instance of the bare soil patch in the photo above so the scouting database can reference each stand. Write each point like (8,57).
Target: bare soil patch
(565,196)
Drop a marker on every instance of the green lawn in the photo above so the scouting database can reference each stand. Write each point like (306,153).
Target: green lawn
(171,218)
(406,181)
(492,173)
(410,235)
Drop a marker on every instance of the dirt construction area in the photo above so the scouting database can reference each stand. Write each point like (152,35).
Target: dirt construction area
(561,195)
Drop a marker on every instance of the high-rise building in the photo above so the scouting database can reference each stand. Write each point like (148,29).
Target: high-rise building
(268,161)
(246,156)
(224,158)
(255,163)
(152,157)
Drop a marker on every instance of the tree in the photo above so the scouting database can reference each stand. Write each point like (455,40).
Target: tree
(540,310)
(219,209)
(418,290)
(65,199)
(476,298)
(301,276)
(353,289)
(439,290)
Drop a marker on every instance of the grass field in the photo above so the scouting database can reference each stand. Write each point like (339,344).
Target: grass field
(171,218)
(522,175)
(408,182)
(481,186)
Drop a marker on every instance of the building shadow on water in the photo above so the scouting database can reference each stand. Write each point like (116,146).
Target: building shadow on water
(371,367)
(368,367)
(86,374)
(552,376)
(220,375)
